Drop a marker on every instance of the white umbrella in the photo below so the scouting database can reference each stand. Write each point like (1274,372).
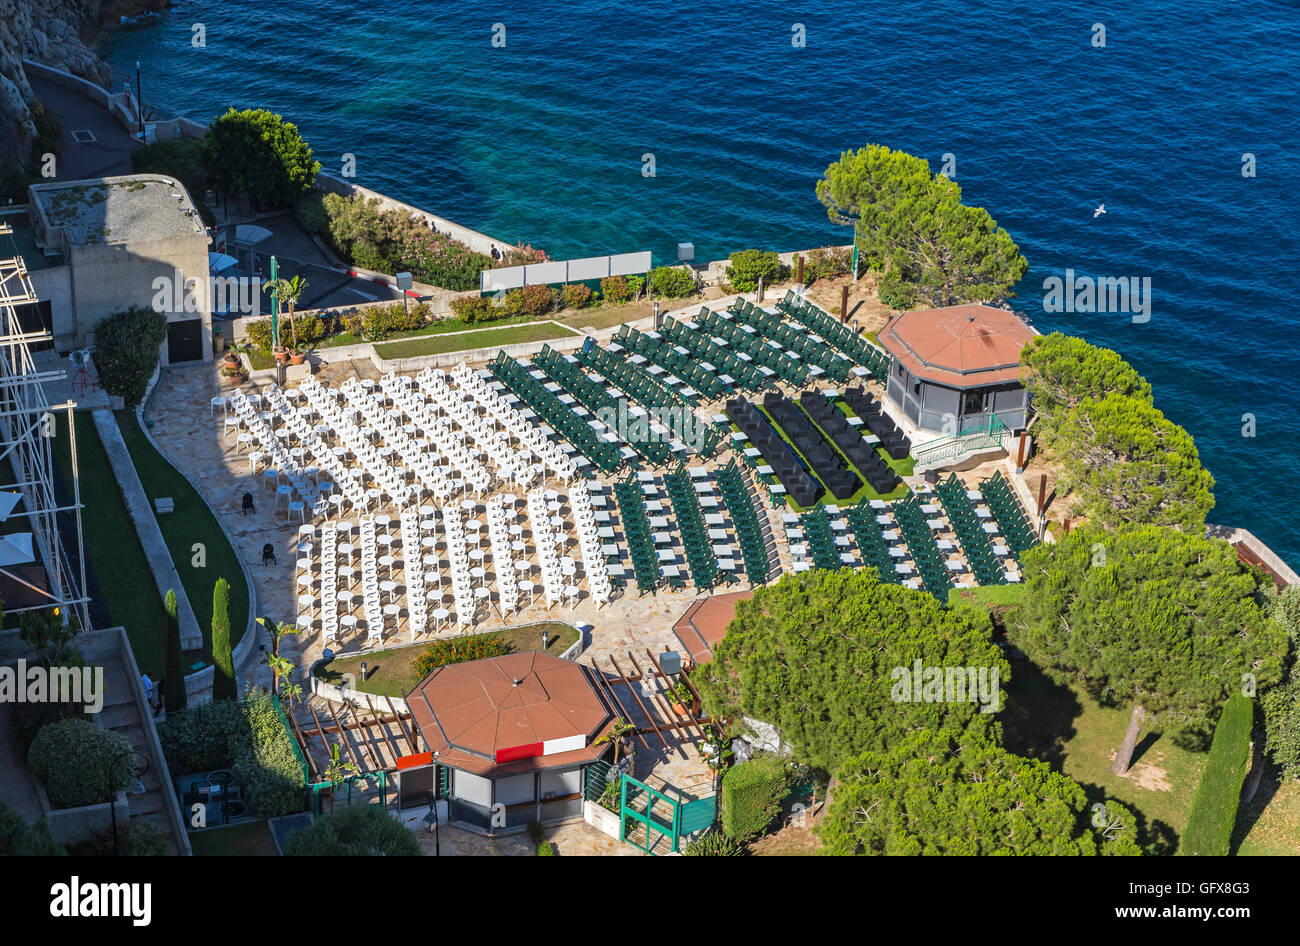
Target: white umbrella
(16,549)
(220,262)
(249,234)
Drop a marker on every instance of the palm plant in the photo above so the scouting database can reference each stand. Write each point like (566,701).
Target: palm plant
(337,771)
(288,291)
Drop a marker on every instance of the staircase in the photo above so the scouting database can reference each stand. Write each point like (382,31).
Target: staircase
(944,452)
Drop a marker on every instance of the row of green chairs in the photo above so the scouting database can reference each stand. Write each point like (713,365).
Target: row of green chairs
(789,369)
(835,364)
(745,375)
(660,353)
(821,541)
(970,532)
(920,541)
(604,454)
(648,391)
(752,547)
(871,541)
(818,320)
(690,523)
(636,529)
(570,376)
(1008,512)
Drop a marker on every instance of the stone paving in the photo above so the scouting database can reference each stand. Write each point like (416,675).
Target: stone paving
(573,839)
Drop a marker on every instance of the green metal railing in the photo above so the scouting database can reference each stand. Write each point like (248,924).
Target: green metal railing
(985,437)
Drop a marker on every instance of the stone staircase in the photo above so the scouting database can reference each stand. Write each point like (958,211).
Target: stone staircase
(121,714)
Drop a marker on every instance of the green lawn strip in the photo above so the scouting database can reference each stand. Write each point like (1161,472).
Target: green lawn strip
(113,549)
(487,338)
(903,467)
(864,491)
(390,672)
(1066,728)
(191,523)
(989,595)
(238,840)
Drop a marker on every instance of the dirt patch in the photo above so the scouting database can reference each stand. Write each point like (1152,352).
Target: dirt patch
(1148,775)
(790,841)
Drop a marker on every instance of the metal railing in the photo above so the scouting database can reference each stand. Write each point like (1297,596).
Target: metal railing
(992,434)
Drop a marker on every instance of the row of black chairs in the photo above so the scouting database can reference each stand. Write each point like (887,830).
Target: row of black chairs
(828,466)
(844,435)
(802,489)
(895,442)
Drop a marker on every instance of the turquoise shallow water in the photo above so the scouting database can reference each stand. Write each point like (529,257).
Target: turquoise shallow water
(542,141)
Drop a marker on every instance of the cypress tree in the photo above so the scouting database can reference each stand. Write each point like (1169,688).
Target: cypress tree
(175,692)
(223,661)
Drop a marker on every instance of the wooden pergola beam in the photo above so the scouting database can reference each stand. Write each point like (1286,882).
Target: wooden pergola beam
(636,696)
(622,710)
(302,744)
(401,725)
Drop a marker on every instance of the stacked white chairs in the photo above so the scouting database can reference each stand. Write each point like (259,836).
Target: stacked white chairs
(417,605)
(530,436)
(593,560)
(546,541)
(462,590)
(502,560)
(371,603)
(329,585)
(277,452)
(439,431)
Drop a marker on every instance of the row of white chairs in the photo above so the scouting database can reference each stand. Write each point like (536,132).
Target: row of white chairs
(593,560)
(514,465)
(528,434)
(277,452)
(440,431)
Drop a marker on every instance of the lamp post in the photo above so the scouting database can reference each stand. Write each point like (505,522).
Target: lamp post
(139,100)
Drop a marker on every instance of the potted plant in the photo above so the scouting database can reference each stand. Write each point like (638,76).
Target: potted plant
(235,350)
(234,373)
(680,697)
(716,749)
(288,291)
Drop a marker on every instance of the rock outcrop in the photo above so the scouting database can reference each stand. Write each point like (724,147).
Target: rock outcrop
(60,33)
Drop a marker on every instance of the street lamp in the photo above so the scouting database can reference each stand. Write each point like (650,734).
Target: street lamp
(139,100)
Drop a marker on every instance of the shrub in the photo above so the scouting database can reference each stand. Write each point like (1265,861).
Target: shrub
(258,153)
(311,328)
(537,300)
(27,719)
(259,333)
(267,766)
(748,265)
(896,292)
(223,663)
(615,289)
(309,210)
(49,133)
(458,650)
(127,350)
(511,304)
(675,282)
(379,322)
(576,295)
(367,255)
(473,308)
(536,832)
(634,286)
(134,839)
(827,263)
(1214,809)
(19,839)
(359,830)
(545,849)
(752,793)
(77,762)
(714,844)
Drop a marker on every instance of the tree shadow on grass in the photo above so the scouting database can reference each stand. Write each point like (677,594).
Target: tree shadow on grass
(1038,716)
(1248,814)
(1154,837)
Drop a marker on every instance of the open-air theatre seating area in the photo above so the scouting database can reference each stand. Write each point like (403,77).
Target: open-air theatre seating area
(1006,510)
(795,338)
(800,309)
(859,451)
(649,352)
(776,453)
(881,425)
(827,465)
(748,345)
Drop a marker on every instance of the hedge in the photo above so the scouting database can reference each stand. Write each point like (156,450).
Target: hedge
(246,737)
(752,793)
(78,763)
(748,265)
(1214,809)
(457,650)
(223,664)
(675,282)
(126,351)
(359,830)
(19,839)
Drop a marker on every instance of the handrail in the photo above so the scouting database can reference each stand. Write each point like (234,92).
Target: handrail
(991,434)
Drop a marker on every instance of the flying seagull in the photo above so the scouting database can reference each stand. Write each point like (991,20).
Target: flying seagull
(1101,209)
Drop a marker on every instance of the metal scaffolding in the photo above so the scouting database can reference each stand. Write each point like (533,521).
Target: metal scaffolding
(27,436)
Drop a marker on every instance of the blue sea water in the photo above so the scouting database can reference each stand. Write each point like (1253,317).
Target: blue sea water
(542,141)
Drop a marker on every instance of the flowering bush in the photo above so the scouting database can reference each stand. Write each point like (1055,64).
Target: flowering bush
(537,300)
(457,650)
(577,295)
(615,289)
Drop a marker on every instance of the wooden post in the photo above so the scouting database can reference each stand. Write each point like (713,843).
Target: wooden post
(1020,453)
(844,303)
(1042,492)
(1066,525)
(759,294)
(799,280)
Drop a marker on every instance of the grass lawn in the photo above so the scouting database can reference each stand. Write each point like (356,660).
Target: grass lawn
(390,672)
(191,523)
(113,551)
(989,595)
(864,491)
(250,839)
(485,338)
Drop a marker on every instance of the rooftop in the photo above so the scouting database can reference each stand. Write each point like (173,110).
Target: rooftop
(504,715)
(125,209)
(705,623)
(962,346)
